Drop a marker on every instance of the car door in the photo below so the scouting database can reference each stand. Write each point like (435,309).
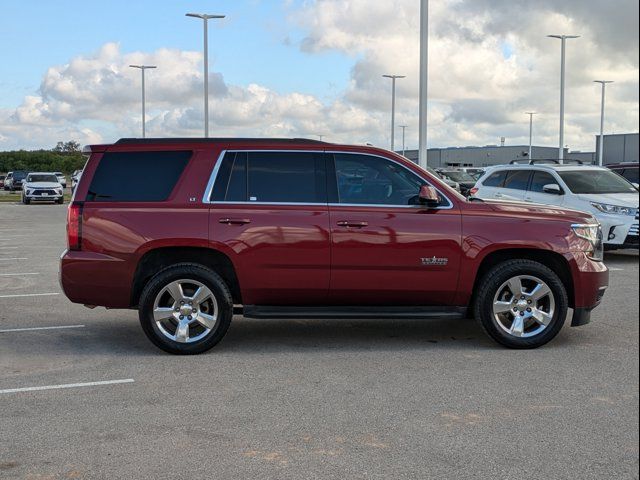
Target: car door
(269,211)
(536,193)
(387,249)
(515,185)
(488,187)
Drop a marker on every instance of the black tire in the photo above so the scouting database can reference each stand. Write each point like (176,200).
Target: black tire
(182,271)
(26,200)
(60,201)
(488,289)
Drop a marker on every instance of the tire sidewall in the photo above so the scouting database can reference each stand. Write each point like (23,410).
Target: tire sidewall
(185,272)
(496,278)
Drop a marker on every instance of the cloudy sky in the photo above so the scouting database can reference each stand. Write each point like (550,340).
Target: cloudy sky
(309,68)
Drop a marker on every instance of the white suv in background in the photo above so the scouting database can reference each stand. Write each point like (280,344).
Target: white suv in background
(599,191)
(42,186)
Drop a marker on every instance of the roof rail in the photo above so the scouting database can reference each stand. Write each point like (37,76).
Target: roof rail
(547,161)
(124,141)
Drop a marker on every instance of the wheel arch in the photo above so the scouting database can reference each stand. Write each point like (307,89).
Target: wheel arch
(159,258)
(552,260)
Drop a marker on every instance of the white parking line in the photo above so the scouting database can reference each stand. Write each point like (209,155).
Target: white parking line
(29,329)
(615,269)
(29,295)
(67,385)
(18,274)
(13,258)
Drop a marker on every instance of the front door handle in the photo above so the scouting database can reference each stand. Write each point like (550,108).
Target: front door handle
(498,195)
(234,221)
(349,223)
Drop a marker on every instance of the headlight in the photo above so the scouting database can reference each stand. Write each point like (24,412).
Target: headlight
(593,234)
(615,209)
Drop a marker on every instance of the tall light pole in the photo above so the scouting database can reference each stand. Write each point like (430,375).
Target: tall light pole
(205,18)
(563,39)
(142,69)
(531,114)
(393,105)
(403,127)
(601,146)
(424,77)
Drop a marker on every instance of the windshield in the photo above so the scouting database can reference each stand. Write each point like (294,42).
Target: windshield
(42,178)
(596,181)
(459,176)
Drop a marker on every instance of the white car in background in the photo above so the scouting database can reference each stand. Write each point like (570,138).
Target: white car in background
(42,186)
(61,178)
(610,198)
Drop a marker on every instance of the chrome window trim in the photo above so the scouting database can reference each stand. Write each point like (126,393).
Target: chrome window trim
(214,174)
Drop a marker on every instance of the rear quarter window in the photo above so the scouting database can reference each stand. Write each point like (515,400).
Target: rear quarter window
(495,180)
(137,176)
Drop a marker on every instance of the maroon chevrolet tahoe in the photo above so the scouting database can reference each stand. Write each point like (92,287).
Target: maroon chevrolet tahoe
(188,231)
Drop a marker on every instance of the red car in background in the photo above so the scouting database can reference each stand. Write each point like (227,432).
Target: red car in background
(187,231)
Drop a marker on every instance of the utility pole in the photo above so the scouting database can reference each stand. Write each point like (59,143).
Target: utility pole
(205,18)
(563,39)
(424,79)
(403,127)
(531,114)
(142,69)
(601,146)
(393,105)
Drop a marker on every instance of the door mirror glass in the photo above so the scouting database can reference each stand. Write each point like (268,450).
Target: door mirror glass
(552,188)
(429,196)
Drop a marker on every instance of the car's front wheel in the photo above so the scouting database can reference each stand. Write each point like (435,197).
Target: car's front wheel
(521,304)
(185,309)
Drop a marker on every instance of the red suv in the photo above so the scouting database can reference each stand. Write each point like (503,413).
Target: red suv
(187,230)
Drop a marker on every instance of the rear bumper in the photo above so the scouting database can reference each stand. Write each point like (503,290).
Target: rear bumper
(95,279)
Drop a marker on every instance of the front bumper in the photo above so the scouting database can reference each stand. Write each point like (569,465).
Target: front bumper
(590,282)
(619,231)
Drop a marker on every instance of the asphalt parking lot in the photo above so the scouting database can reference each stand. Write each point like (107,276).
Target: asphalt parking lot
(287,399)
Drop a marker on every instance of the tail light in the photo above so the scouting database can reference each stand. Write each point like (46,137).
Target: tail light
(473,191)
(74,226)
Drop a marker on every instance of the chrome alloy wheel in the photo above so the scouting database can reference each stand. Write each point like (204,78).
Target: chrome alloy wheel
(185,311)
(524,306)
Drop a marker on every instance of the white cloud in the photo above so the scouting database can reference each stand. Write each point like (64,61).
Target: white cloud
(489,62)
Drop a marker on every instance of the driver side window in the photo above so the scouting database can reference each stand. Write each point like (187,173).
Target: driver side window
(369,180)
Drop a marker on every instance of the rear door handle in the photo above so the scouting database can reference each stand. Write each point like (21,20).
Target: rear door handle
(234,221)
(349,223)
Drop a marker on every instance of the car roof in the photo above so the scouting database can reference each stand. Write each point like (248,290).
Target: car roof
(41,173)
(547,167)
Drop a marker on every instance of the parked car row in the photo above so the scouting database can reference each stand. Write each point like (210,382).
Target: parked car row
(35,186)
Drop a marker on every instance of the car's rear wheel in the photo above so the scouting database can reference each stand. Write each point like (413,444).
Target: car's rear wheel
(521,304)
(185,309)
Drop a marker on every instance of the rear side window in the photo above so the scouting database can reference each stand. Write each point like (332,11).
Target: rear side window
(540,179)
(631,174)
(517,179)
(271,177)
(496,179)
(137,176)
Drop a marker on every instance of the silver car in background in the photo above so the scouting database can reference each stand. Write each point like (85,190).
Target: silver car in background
(42,186)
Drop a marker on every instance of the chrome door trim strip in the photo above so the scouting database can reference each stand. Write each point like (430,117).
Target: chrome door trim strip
(214,174)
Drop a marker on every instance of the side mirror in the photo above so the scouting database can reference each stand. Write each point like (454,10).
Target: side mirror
(552,188)
(429,196)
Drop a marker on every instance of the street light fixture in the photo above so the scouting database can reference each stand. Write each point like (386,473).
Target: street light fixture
(424,78)
(393,105)
(563,39)
(601,146)
(205,18)
(531,114)
(403,127)
(142,69)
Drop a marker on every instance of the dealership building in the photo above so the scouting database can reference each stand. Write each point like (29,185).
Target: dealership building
(617,148)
